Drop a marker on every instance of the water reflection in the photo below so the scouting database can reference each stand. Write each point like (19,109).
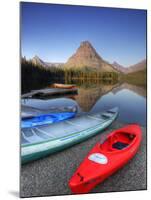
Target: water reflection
(140,90)
(88,96)
(131,105)
(131,100)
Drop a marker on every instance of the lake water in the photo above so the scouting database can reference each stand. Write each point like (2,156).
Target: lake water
(130,99)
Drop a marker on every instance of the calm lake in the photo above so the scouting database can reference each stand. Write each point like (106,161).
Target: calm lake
(130,99)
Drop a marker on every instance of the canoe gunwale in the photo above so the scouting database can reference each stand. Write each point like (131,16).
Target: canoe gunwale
(30,152)
(69,142)
(111,119)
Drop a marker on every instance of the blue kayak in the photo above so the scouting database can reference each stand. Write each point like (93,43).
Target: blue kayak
(46,119)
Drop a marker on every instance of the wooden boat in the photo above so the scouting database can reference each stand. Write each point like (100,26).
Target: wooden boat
(106,158)
(38,142)
(64,86)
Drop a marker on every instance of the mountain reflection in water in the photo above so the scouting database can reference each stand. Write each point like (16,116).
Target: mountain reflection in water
(130,99)
(87,97)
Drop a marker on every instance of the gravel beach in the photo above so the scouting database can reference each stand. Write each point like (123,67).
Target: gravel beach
(50,176)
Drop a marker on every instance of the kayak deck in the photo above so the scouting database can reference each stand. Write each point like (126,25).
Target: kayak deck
(118,141)
(105,158)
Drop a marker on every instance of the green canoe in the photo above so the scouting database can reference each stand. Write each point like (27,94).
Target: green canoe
(40,141)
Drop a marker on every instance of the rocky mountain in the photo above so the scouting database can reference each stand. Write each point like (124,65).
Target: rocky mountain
(137,67)
(119,67)
(52,64)
(37,61)
(86,56)
(131,69)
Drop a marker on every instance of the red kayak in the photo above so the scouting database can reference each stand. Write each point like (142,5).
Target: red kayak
(106,157)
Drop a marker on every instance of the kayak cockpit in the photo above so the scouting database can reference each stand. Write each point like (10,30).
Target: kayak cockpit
(118,141)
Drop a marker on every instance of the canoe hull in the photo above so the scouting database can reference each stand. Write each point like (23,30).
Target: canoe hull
(40,150)
(63,86)
(89,174)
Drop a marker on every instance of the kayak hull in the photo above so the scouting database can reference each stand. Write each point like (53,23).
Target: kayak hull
(30,152)
(46,119)
(100,164)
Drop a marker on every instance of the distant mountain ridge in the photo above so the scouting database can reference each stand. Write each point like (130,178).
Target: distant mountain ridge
(38,61)
(140,66)
(87,57)
(119,67)
(52,64)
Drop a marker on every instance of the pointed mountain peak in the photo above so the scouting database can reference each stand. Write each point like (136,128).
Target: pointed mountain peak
(85,56)
(87,48)
(36,57)
(86,43)
(37,61)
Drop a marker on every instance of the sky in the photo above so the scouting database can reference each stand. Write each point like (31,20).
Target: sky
(54,32)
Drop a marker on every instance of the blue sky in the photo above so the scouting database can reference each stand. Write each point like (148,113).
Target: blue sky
(54,32)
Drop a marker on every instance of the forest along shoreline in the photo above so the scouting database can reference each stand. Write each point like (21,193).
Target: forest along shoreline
(36,77)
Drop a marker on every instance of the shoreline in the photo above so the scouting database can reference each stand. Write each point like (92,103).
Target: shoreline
(49,176)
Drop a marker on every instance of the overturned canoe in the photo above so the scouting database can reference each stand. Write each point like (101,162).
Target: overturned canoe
(29,111)
(41,141)
(49,92)
(105,158)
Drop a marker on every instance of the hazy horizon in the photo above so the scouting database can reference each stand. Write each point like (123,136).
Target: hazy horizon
(54,32)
